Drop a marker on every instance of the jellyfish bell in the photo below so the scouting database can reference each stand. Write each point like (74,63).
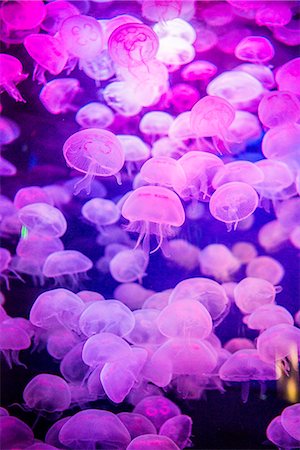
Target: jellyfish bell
(94,115)
(57,95)
(153,210)
(11,75)
(256,49)
(94,152)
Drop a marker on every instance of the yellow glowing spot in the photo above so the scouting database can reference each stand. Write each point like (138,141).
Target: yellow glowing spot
(292,389)
(24,232)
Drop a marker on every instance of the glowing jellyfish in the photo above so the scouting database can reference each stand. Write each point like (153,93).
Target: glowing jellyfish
(20,15)
(211,116)
(43,219)
(267,316)
(158,300)
(148,441)
(7,169)
(107,431)
(287,76)
(47,393)
(11,75)
(129,265)
(121,96)
(233,202)
(288,213)
(244,171)
(57,95)
(277,177)
(272,235)
(132,44)
(277,434)
(175,51)
(265,267)
(245,252)
(198,70)
(262,73)
(109,316)
(15,433)
(13,339)
(56,13)
(9,130)
(251,293)
(158,409)
(100,212)
(60,342)
(94,152)
(153,210)
(217,260)
(178,429)
(165,171)
(279,343)
(290,419)
(282,144)
(135,150)
(183,254)
(94,115)
(30,194)
(256,49)
(279,108)
(136,424)
(236,344)
(66,266)
(48,53)
(100,67)
(133,295)
(39,246)
(156,123)
(273,14)
(145,332)
(105,347)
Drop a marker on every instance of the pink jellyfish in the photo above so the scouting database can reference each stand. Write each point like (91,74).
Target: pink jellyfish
(160,10)
(290,419)
(267,316)
(279,108)
(158,409)
(149,441)
(265,267)
(129,265)
(211,117)
(57,95)
(20,15)
(277,434)
(136,424)
(256,49)
(198,70)
(9,130)
(216,260)
(15,433)
(153,210)
(244,171)
(94,115)
(93,152)
(287,76)
(11,74)
(165,171)
(251,293)
(48,53)
(31,194)
(56,13)
(132,44)
(233,202)
(13,338)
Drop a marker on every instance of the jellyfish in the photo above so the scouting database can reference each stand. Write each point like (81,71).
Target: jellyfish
(94,428)
(13,338)
(100,67)
(94,115)
(287,76)
(56,13)
(121,96)
(48,393)
(183,254)
(60,342)
(265,267)
(7,169)
(157,10)
(244,171)
(132,44)
(136,424)
(15,433)
(51,437)
(217,260)
(133,295)
(165,171)
(279,108)
(178,429)
(175,51)
(245,252)
(236,344)
(43,219)
(57,95)
(81,36)
(278,435)
(148,441)
(157,409)
(9,130)
(21,15)
(135,150)
(153,210)
(48,53)
(198,70)
(155,123)
(290,420)
(31,194)
(282,144)
(158,300)
(233,202)
(211,117)
(145,332)
(262,73)
(72,367)
(272,236)
(129,265)
(101,212)
(251,293)
(183,97)
(66,266)
(104,347)
(93,152)
(267,316)
(11,75)
(109,316)
(256,49)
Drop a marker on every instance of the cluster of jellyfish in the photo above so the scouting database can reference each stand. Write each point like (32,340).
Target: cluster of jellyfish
(190,136)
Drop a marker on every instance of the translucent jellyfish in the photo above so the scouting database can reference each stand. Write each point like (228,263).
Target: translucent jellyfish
(180,130)
(165,171)
(290,419)
(57,95)
(66,266)
(198,70)
(183,254)
(256,49)
(199,168)
(100,67)
(43,219)
(81,36)
(48,393)
(288,213)
(211,117)
(158,409)
(279,108)
(9,130)
(216,260)
(262,73)
(132,295)
(94,115)
(93,152)
(94,428)
(72,367)
(129,265)
(267,268)
(186,318)
(282,144)
(104,347)
(59,195)
(245,252)
(236,344)
(13,339)
(208,292)
(121,96)
(101,212)
(57,307)
(267,316)
(288,34)
(175,51)
(287,76)
(48,53)
(272,236)
(56,13)
(273,14)
(106,316)
(5,260)
(11,75)
(31,194)
(155,123)
(158,300)
(115,22)
(21,15)
(231,87)
(60,342)
(178,429)
(251,293)
(7,169)
(3,412)
(182,97)
(132,44)
(295,237)
(244,171)
(245,366)
(51,437)
(148,441)
(153,210)
(145,332)
(15,433)
(157,10)
(206,38)
(135,150)
(279,343)
(277,434)
(233,202)
(136,424)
